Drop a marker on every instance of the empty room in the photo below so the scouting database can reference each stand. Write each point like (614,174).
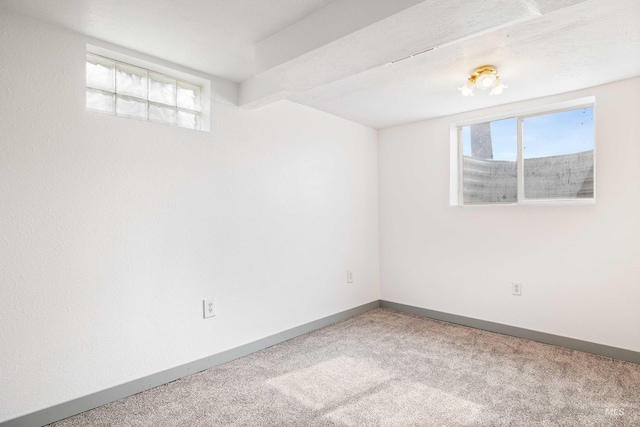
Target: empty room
(319,213)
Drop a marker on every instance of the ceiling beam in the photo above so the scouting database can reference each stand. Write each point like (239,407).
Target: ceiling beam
(352,36)
(325,26)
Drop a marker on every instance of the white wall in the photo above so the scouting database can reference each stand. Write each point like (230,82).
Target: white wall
(113,231)
(580,265)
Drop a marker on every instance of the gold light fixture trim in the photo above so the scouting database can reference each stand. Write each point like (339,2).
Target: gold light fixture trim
(483,77)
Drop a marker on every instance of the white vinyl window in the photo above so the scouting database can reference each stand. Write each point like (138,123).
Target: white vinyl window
(541,157)
(125,90)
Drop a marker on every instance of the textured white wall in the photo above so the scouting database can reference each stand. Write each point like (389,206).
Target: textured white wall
(579,265)
(113,231)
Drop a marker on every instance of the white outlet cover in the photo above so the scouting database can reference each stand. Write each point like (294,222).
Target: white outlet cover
(209,307)
(349,276)
(516,288)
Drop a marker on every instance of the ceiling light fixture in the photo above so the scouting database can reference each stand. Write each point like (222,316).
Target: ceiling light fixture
(483,78)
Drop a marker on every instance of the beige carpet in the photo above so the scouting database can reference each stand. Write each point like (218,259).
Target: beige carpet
(384,368)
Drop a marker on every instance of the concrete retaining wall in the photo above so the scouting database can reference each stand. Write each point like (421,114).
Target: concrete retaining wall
(555,177)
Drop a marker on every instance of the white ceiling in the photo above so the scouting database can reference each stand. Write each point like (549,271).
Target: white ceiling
(337,56)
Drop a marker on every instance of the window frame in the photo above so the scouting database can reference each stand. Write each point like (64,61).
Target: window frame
(457,158)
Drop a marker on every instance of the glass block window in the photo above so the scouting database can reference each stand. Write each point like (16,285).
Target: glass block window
(127,91)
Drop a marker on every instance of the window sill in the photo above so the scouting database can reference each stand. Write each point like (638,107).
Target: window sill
(563,202)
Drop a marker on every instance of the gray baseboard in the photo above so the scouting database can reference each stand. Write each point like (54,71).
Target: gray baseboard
(574,344)
(76,406)
(82,404)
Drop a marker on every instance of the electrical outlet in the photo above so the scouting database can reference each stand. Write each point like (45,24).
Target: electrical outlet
(209,307)
(516,288)
(349,276)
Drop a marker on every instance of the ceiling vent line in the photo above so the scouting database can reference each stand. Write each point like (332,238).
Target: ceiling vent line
(401,59)
(412,55)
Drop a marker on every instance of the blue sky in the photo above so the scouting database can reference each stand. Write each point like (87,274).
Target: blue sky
(547,135)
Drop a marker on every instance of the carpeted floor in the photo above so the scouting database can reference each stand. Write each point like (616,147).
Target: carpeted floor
(384,368)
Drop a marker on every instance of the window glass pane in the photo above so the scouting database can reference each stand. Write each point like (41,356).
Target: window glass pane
(489,162)
(131,107)
(100,73)
(188,119)
(100,101)
(131,81)
(162,89)
(188,96)
(162,113)
(558,155)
